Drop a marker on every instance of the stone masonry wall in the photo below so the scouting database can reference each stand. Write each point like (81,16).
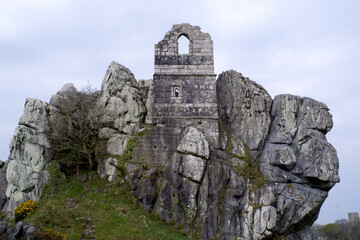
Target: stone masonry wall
(200,59)
(185,84)
(184,93)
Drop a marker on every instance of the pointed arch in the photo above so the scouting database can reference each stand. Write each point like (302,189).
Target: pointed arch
(183,44)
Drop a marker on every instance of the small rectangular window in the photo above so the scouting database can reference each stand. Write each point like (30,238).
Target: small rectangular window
(176,91)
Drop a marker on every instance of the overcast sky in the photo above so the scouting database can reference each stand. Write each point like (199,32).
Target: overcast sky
(304,47)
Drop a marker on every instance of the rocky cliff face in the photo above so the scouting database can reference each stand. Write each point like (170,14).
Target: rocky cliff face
(29,153)
(269,177)
(3,181)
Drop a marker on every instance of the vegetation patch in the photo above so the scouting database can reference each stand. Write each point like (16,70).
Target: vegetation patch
(250,171)
(108,208)
(56,179)
(126,157)
(4,217)
(225,132)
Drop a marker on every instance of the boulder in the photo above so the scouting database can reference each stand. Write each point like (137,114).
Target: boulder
(194,142)
(3,184)
(244,107)
(116,146)
(317,158)
(109,169)
(3,227)
(192,167)
(29,231)
(106,133)
(298,162)
(14,233)
(297,150)
(120,101)
(19,231)
(29,154)
(143,187)
(67,92)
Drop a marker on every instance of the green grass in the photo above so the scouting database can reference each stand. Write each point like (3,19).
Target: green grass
(109,210)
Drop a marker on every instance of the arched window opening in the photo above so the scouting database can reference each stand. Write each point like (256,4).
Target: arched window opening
(176,91)
(183,45)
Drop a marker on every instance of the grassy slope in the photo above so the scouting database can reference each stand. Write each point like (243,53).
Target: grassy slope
(107,209)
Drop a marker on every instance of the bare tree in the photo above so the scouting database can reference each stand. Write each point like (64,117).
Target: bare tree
(74,132)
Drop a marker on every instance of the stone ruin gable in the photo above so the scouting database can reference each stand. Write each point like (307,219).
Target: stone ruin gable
(184,93)
(185,84)
(199,61)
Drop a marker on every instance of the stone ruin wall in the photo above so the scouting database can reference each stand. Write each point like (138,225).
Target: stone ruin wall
(194,104)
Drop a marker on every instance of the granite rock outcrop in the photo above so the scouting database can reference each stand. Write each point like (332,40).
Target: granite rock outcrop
(235,163)
(3,181)
(120,103)
(30,150)
(269,178)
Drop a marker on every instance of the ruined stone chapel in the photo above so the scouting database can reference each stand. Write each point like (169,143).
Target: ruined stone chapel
(184,91)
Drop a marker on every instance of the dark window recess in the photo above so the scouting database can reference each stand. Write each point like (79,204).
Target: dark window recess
(176,91)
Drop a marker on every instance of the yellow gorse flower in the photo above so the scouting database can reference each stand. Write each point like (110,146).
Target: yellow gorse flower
(51,233)
(25,209)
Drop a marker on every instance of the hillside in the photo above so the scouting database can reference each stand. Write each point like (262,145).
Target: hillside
(97,209)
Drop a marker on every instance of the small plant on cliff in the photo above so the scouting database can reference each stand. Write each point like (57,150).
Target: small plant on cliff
(4,217)
(49,234)
(24,209)
(250,170)
(126,157)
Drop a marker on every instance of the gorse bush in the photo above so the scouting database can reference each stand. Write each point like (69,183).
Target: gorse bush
(24,209)
(49,234)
